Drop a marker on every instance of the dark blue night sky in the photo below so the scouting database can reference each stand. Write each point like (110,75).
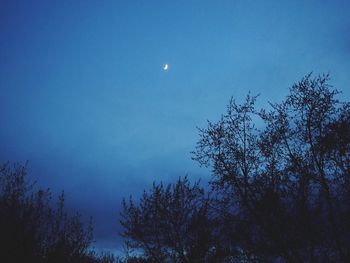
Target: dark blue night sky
(84,98)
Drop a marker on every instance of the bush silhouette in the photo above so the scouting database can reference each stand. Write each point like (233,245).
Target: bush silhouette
(35,230)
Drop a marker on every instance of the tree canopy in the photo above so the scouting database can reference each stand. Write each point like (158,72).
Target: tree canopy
(35,229)
(279,191)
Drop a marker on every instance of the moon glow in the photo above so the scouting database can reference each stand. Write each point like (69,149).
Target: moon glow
(165,67)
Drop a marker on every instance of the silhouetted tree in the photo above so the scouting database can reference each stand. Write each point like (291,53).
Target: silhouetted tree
(170,224)
(284,186)
(34,230)
(280,190)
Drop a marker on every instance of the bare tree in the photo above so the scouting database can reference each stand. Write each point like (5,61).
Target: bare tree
(170,223)
(33,229)
(282,182)
(280,189)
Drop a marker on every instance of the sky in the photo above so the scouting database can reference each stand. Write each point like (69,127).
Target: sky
(84,97)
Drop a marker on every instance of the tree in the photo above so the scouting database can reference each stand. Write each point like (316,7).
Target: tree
(280,190)
(34,230)
(286,183)
(170,224)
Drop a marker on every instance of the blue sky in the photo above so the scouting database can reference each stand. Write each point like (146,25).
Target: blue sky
(85,100)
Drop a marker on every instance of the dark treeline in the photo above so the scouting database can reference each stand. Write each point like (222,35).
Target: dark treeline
(279,192)
(35,228)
